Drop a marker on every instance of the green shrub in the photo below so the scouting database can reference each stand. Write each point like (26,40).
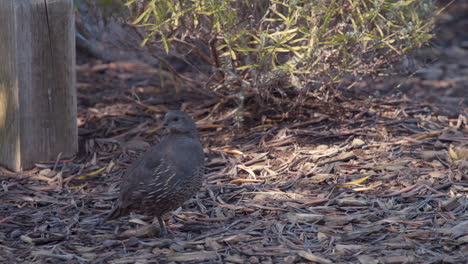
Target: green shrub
(272,49)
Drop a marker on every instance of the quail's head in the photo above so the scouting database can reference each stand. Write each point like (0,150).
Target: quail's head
(179,123)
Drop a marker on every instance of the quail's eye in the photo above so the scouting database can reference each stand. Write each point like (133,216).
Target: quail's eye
(176,119)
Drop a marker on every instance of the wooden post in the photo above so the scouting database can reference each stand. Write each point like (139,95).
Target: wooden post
(37,82)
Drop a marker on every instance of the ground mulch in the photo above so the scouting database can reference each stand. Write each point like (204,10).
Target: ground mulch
(370,179)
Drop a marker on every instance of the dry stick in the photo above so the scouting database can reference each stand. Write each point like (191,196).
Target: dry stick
(137,129)
(214,219)
(172,70)
(197,51)
(168,65)
(415,190)
(443,186)
(6,219)
(407,189)
(57,161)
(216,232)
(183,57)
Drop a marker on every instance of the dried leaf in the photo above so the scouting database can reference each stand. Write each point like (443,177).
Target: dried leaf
(229,151)
(77,187)
(463,153)
(212,244)
(398,259)
(96,172)
(321,236)
(151,131)
(347,249)
(297,217)
(192,256)
(357,143)
(136,145)
(234,259)
(314,258)
(452,153)
(437,174)
(239,181)
(237,238)
(366,259)
(352,202)
(27,239)
(368,188)
(145,231)
(356,182)
(460,230)
(248,170)
(428,135)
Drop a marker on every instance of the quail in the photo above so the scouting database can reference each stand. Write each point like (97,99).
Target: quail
(166,175)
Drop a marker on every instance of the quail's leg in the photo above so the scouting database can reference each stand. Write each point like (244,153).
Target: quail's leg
(162,226)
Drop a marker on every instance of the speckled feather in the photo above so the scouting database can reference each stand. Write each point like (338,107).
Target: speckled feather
(164,177)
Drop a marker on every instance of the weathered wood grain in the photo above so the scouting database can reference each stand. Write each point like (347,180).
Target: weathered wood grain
(37,82)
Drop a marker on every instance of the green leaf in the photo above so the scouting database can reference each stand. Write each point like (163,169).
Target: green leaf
(246,49)
(165,42)
(130,2)
(143,43)
(404,3)
(143,17)
(248,66)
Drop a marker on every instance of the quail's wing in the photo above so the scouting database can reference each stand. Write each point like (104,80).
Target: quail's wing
(148,173)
